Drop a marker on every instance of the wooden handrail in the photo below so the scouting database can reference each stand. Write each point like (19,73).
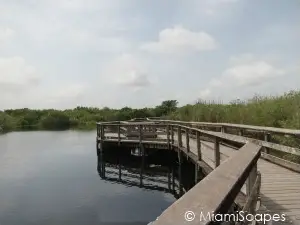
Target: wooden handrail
(274,130)
(207,197)
(221,136)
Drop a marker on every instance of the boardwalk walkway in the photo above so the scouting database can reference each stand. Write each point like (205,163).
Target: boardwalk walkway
(221,156)
(280,187)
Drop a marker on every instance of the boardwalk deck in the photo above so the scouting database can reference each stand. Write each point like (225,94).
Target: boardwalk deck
(280,187)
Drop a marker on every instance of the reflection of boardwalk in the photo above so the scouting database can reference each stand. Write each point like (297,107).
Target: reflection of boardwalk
(164,182)
(280,187)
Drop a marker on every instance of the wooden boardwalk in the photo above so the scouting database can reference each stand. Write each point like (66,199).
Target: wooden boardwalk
(280,187)
(222,157)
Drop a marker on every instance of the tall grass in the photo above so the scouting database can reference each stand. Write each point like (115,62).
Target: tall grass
(274,111)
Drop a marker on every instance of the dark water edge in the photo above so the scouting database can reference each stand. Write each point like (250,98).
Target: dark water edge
(53,178)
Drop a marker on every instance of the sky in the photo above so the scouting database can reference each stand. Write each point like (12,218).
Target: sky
(138,53)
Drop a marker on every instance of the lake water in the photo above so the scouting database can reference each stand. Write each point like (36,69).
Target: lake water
(52,178)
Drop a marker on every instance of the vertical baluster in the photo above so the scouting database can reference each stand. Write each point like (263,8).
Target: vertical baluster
(198,145)
(187,133)
(217,152)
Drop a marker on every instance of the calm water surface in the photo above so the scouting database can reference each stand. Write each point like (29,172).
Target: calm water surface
(51,178)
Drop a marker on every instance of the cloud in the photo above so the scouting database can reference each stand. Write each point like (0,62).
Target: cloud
(6,34)
(252,73)
(135,79)
(244,73)
(16,73)
(109,46)
(181,40)
(19,82)
(128,70)
(76,24)
(71,91)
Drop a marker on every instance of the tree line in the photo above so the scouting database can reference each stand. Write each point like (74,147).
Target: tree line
(77,118)
(276,111)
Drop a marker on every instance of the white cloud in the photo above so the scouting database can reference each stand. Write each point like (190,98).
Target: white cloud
(252,73)
(135,79)
(181,40)
(15,72)
(244,73)
(6,34)
(70,91)
(128,70)
(71,41)
(19,82)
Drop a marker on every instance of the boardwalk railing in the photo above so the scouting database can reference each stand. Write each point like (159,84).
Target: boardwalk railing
(266,136)
(210,200)
(271,151)
(217,192)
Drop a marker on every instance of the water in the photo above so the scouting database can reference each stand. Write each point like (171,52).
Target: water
(52,178)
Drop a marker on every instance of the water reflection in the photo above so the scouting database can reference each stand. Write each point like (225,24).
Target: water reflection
(127,167)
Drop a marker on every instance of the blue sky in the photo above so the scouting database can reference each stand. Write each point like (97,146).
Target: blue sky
(65,53)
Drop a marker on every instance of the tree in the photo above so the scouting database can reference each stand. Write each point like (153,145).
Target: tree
(166,108)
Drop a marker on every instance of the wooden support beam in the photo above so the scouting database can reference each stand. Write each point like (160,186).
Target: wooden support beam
(217,152)
(198,145)
(250,185)
(142,150)
(223,129)
(196,173)
(169,178)
(119,134)
(180,172)
(102,132)
(179,136)
(168,134)
(140,134)
(172,134)
(187,135)
(173,179)
(241,132)
(267,138)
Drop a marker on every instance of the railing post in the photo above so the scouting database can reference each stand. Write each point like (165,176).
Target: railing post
(198,145)
(187,134)
(140,135)
(172,134)
(168,134)
(267,137)
(223,129)
(102,132)
(180,172)
(241,132)
(98,133)
(217,152)
(196,173)
(119,134)
(249,186)
(179,137)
